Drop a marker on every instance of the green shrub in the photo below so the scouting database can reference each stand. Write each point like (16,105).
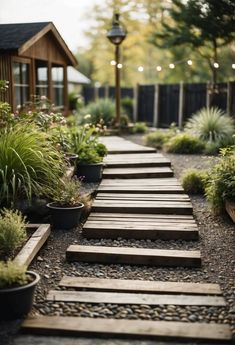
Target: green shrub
(12,232)
(220,185)
(12,275)
(101,109)
(101,149)
(185,144)
(193,181)
(28,164)
(127,106)
(124,120)
(213,147)
(210,124)
(158,138)
(139,127)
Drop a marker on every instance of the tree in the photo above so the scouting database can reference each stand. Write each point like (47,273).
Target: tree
(205,25)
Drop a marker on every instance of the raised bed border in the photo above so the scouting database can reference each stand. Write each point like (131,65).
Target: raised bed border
(230,208)
(34,243)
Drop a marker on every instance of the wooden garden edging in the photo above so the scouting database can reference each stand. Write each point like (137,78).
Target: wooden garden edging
(34,244)
(230,208)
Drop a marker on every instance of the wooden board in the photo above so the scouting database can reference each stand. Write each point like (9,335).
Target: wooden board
(129,161)
(137,172)
(77,326)
(230,208)
(34,244)
(146,286)
(133,256)
(143,196)
(158,217)
(171,181)
(141,189)
(119,145)
(126,206)
(133,156)
(114,230)
(133,298)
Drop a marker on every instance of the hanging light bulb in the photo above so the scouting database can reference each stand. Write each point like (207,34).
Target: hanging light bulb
(189,62)
(119,65)
(159,68)
(113,62)
(216,65)
(172,66)
(140,69)
(233,66)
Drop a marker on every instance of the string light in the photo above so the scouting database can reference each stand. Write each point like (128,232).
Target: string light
(172,66)
(140,69)
(216,65)
(233,66)
(113,62)
(189,62)
(119,65)
(159,68)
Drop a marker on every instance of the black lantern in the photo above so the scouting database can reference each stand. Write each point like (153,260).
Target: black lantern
(116,35)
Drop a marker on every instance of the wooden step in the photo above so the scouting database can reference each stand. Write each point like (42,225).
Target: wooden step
(137,172)
(140,189)
(143,196)
(129,161)
(142,217)
(150,182)
(133,256)
(117,145)
(146,286)
(135,230)
(133,298)
(126,206)
(77,326)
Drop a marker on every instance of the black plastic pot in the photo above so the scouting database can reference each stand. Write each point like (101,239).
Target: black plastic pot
(90,172)
(71,157)
(15,303)
(65,217)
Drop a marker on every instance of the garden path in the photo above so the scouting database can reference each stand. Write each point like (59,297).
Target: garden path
(130,204)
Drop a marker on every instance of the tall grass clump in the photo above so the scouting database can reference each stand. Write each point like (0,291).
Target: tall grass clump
(29,164)
(185,144)
(12,232)
(210,124)
(158,138)
(102,109)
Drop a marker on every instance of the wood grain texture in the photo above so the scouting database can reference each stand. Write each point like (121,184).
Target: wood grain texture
(133,256)
(146,286)
(76,326)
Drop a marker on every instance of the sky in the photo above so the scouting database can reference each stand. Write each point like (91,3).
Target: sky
(71,17)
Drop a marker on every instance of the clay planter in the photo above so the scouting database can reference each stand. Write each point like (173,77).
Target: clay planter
(65,217)
(90,172)
(17,302)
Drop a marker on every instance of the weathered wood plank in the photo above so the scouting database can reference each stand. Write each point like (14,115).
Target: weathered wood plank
(145,224)
(114,231)
(146,286)
(137,189)
(77,326)
(142,206)
(134,256)
(137,163)
(142,216)
(142,181)
(137,172)
(33,245)
(133,298)
(143,196)
(230,208)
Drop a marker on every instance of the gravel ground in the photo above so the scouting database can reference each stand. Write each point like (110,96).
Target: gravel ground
(217,248)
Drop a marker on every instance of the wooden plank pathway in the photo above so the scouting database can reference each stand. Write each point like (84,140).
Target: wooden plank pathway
(138,198)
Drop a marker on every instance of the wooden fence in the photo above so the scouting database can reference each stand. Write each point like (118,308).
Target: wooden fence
(160,105)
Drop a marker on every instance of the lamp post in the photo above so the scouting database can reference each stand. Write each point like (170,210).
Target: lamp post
(116,35)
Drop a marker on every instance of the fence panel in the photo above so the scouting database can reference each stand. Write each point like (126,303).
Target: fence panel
(194,99)
(146,103)
(168,104)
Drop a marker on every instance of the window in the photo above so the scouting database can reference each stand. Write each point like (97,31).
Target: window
(41,78)
(21,82)
(58,85)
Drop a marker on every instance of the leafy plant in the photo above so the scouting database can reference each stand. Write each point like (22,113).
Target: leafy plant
(127,106)
(193,181)
(185,144)
(213,147)
(66,193)
(101,149)
(12,232)
(158,138)
(220,185)
(139,127)
(101,109)
(88,155)
(28,164)
(12,275)
(211,124)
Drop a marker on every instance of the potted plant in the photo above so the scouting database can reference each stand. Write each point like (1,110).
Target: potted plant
(66,207)
(17,287)
(90,153)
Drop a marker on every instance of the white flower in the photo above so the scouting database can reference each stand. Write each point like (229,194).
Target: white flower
(88,116)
